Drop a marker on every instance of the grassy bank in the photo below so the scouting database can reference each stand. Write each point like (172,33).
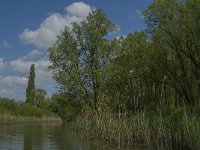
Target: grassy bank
(173,129)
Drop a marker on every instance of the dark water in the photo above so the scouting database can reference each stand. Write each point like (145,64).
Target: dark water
(49,137)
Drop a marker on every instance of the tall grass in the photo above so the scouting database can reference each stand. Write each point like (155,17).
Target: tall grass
(172,129)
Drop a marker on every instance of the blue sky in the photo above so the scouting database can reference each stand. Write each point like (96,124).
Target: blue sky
(28,28)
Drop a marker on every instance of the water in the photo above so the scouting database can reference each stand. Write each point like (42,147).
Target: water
(49,137)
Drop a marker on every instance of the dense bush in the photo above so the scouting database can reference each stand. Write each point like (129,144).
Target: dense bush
(64,106)
(11,107)
(25,109)
(8,106)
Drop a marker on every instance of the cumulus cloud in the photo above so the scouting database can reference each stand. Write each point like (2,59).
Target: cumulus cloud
(2,64)
(46,34)
(32,55)
(79,9)
(11,86)
(13,81)
(15,86)
(23,67)
(42,38)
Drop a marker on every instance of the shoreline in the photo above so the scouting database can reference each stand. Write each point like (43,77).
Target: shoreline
(10,119)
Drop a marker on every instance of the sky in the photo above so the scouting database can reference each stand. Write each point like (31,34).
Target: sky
(29,27)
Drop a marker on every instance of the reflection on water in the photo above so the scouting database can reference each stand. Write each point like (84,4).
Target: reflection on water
(47,137)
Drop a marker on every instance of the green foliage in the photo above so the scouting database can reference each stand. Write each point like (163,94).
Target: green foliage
(175,129)
(33,111)
(145,85)
(64,106)
(22,109)
(79,57)
(40,100)
(8,106)
(30,91)
(174,29)
(29,110)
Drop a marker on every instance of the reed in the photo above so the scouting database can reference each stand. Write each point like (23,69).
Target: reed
(173,129)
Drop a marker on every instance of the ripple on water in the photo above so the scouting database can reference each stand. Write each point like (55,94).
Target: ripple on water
(11,142)
(48,137)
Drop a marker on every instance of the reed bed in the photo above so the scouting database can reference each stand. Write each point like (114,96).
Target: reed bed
(171,129)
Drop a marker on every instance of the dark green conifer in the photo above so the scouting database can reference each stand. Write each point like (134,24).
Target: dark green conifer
(30,91)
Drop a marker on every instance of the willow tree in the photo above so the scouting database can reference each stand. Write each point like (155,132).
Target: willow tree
(131,75)
(79,57)
(174,28)
(30,90)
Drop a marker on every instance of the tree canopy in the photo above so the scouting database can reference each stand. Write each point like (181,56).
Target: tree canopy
(80,55)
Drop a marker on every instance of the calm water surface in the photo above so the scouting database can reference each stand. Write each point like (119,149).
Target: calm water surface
(49,137)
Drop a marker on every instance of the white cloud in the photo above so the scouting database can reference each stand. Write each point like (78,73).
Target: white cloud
(46,34)
(33,54)
(15,86)
(42,38)
(5,44)
(11,86)
(2,64)
(79,9)
(41,65)
(13,81)
(22,65)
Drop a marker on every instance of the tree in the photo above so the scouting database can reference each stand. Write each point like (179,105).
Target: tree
(174,30)
(79,58)
(64,106)
(40,98)
(30,90)
(129,73)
